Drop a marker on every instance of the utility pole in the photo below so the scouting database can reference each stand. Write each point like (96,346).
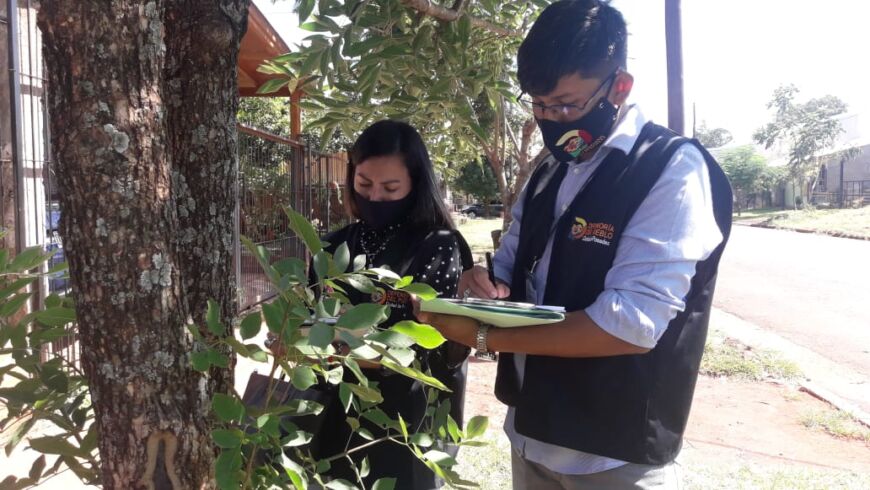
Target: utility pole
(674,47)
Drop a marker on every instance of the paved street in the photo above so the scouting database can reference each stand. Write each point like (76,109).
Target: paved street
(813,290)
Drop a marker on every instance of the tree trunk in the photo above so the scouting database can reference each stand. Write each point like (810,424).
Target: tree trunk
(147,237)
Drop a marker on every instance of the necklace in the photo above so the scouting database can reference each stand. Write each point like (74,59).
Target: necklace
(373,241)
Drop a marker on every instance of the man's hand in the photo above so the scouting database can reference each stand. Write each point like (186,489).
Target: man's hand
(476,282)
(459,329)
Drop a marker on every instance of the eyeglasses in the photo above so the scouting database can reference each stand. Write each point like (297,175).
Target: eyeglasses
(563,111)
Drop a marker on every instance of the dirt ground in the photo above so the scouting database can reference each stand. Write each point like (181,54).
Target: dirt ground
(731,421)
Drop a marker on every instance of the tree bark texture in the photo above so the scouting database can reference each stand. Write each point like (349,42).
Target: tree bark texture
(142,97)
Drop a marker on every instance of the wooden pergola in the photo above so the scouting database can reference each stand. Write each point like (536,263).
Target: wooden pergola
(262,43)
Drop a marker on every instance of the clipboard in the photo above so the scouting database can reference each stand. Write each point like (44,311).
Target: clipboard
(498,313)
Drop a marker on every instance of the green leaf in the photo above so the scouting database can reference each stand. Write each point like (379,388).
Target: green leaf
(28,259)
(424,335)
(476,427)
(390,338)
(342,258)
(296,438)
(365,468)
(365,315)
(403,282)
(321,264)
(17,285)
(274,317)
(365,393)
(359,262)
(355,369)
(321,335)
(213,318)
(218,358)
(403,427)
(55,379)
(364,47)
(385,273)
(421,290)
(385,484)
(200,361)
(298,408)
(341,485)
(303,377)
(414,374)
(272,85)
(60,267)
(304,230)
(56,316)
(227,408)
(345,396)
(12,306)
(440,458)
(304,9)
(228,469)
(360,282)
(251,325)
(226,439)
(421,439)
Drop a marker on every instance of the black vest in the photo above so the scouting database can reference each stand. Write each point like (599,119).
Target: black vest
(632,407)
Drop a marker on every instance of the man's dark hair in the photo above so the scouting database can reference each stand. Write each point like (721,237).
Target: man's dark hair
(571,36)
(388,137)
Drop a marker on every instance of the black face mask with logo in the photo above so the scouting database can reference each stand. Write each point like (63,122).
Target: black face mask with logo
(576,139)
(381,214)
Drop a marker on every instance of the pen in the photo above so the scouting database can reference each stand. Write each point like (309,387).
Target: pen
(490,268)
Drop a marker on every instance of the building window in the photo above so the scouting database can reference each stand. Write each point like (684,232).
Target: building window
(822,184)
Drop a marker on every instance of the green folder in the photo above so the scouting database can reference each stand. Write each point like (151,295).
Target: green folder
(504,314)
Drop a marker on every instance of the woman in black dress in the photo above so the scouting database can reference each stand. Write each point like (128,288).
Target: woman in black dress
(403,225)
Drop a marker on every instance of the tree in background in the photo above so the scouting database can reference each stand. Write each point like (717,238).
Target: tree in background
(807,131)
(749,174)
(445,70)
(713,138)
(476,179)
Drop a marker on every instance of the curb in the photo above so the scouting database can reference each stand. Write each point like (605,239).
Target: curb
(835,401)
(813,366)
(835,234)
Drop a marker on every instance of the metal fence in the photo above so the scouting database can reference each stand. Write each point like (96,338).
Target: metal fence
(855,193)
(277,172)
(29,200)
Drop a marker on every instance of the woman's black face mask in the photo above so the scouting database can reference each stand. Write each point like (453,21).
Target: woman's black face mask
(381,214)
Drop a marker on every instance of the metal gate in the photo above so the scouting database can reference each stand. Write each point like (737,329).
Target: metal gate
(278,172)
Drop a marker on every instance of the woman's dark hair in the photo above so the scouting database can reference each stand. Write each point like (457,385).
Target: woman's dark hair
(571,36)
(386,138)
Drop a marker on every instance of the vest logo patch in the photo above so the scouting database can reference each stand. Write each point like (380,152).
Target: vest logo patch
(600,233)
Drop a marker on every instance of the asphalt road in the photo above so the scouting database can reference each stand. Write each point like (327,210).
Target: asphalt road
(814,290)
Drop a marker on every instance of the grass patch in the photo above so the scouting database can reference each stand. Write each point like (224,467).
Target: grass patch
(478,234)
(836,423)
(851,222)
(753,214)
(729,358)
(755,476)
(490,465)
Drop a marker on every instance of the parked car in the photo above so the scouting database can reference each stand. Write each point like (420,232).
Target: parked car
(480,211)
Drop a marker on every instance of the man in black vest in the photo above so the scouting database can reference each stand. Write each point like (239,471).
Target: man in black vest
(624,226)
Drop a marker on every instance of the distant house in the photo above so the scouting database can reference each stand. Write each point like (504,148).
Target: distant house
(845,181)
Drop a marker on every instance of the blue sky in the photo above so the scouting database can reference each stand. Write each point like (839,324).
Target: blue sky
(736,52)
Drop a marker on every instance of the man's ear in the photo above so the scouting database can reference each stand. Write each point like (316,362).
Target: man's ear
(621,88)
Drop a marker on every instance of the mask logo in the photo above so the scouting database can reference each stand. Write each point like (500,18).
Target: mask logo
(578,140)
